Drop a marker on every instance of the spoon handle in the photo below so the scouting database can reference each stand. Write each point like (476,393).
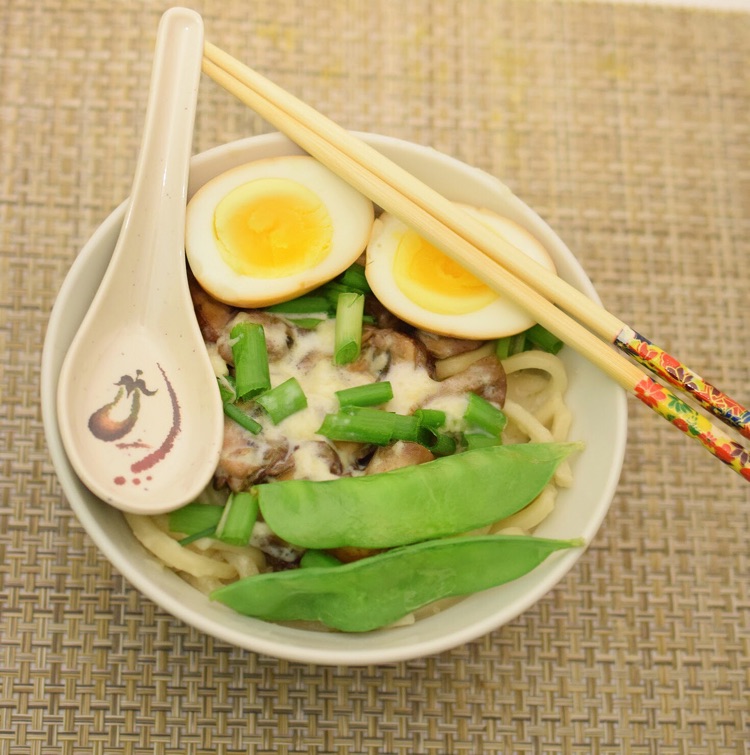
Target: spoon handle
(155,216)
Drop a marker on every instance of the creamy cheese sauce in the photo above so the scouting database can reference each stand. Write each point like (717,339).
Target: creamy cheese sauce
(309,360)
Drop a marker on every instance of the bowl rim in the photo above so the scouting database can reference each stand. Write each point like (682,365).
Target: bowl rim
(354,649)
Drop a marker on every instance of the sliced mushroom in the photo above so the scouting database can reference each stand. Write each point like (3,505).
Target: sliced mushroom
(442,347)
(246,458)
(400,454)
(485,377)
(398,347)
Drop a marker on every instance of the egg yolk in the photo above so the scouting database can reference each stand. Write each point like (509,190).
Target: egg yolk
(272,228)
(434,281)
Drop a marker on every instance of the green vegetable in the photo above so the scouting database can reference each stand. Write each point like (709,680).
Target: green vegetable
(238,519)
(250,357)
(450,495)
(283,400)
(227,389)
(370,394)
(484,415)
(480,440)
(430,418)
(317,558)
(354,278)
(364,424)
(302,305)
(348,335)
(510,345)
(208,532)
(378,590)
(359,427)
(543,339)
(194,517)
(536,335)
(242,418)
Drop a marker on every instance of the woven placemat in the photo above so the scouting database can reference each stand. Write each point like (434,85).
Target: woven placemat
(626,128)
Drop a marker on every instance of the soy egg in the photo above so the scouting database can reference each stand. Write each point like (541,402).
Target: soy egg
(426,288)
(271,230)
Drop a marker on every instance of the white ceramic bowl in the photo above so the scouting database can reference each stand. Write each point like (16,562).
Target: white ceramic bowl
(597,404)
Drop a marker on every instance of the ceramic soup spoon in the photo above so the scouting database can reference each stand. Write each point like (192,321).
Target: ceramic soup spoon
(138,406)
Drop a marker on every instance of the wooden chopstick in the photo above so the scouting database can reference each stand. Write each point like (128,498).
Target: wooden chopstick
(507,270)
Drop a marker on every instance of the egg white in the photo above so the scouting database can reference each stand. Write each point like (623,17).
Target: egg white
(495,319)
(351,217)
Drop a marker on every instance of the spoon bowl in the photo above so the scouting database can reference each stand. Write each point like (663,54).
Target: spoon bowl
(137,403)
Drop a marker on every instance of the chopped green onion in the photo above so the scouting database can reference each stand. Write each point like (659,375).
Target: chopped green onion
(227,388)
(242,418)
(250,359)
(405,426)
(480,440)
(371,394)
(194,517)
(354,277)
(348,337)
(302,305)
(283,400)
(360,427)
(308,323)
(439,444)
(543,339)
(502,348)
(430,418)
(208,532)
(330,291)
(510,345)
(481,413)
(517,343)
(237,521)
(313,557)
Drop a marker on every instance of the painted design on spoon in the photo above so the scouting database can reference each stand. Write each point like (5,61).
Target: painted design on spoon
(101,423)
(105,427)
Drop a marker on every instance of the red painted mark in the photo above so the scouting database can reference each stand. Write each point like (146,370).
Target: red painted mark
(161,453)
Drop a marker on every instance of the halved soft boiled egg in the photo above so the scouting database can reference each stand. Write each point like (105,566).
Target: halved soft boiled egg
(426,288)
(271,230)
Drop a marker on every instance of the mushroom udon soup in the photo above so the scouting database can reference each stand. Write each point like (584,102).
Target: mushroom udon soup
(390,422)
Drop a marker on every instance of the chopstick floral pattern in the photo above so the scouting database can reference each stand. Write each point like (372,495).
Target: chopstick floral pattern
(687,419)
(673,371)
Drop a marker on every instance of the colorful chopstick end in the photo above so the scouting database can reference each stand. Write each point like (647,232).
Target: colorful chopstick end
(695,425)
(673,371)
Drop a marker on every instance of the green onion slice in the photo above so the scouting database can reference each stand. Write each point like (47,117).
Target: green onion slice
(238,519)
(242,418)
(283,400)
(302,305)
(360,427)
(484,415)
(354,278)
(479,440)
(348,336)
(250,359)
(543,339)
(432,419)
(371,394)
(194,517)
(314,557)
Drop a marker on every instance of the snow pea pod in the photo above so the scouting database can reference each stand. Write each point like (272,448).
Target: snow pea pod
(379,590)
(448,496)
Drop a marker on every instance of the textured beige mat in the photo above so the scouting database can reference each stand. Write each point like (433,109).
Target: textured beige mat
(626,127)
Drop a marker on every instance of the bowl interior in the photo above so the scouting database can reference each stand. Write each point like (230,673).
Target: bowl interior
(598,406)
